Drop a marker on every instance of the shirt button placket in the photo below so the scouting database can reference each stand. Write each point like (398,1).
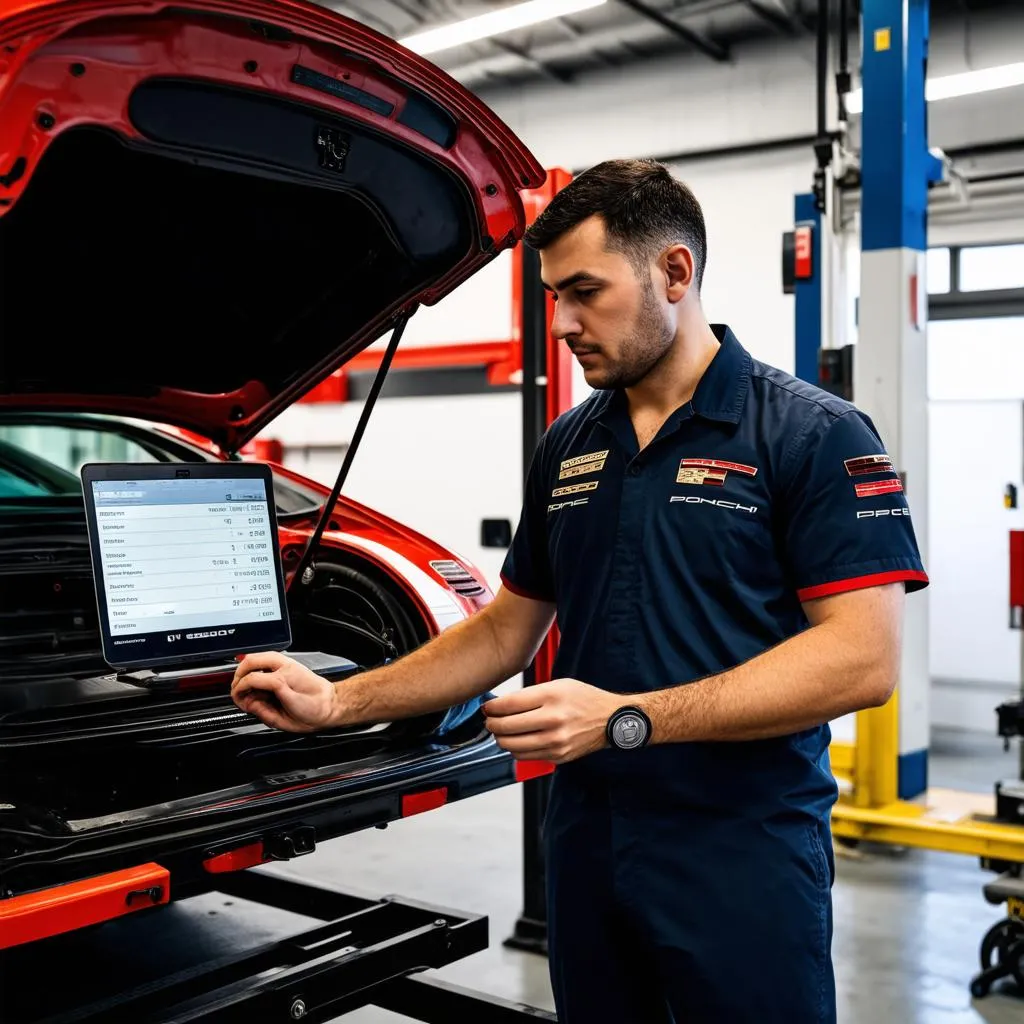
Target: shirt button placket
(624,591)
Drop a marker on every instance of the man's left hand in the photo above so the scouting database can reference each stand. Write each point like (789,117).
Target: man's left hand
(558,721)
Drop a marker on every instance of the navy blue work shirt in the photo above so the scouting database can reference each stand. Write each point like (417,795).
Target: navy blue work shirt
(693,555)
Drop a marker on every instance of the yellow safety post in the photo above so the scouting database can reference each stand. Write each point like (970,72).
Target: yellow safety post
(876,756)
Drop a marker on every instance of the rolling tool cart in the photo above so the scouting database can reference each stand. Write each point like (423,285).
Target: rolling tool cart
(1002,949)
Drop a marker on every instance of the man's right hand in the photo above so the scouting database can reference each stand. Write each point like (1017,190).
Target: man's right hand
(464,662)
(283,694)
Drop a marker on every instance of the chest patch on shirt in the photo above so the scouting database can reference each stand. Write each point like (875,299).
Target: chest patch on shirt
(712,472)
(562,492)
(583,465)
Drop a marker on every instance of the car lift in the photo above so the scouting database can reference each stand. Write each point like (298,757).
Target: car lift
(366,952)
(883,774)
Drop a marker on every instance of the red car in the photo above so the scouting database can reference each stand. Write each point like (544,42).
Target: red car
(207,206)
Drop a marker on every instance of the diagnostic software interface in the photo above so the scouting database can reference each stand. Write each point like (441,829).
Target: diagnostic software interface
(187,565)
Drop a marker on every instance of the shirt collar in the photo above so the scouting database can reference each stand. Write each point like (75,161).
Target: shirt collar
(721,392)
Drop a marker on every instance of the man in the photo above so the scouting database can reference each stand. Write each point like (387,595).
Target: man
(727,549)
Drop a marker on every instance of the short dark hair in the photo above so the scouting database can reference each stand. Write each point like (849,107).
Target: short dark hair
(644,208)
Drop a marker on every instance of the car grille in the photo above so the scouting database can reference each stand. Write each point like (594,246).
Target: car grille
(457,578)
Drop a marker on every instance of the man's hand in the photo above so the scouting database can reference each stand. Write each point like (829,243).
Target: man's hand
(558,721)
(282,693)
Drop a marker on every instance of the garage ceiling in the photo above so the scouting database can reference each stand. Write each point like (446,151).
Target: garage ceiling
(616,34)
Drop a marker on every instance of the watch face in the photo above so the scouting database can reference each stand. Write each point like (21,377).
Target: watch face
(629,731)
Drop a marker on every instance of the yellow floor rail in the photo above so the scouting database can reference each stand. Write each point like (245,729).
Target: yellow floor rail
(869,808)
(948,820)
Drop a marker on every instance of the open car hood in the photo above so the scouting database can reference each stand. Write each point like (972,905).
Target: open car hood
(207,206)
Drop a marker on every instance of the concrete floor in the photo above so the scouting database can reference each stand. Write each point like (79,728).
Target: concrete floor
(908,923)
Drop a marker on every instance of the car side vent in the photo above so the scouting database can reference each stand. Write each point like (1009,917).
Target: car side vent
(457,578)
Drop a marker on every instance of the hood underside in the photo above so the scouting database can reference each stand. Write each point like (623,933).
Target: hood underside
(203,211)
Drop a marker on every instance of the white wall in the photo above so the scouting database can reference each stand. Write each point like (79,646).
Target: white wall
(971,640)
(481,310)
(748,205)
(438,464)
(976,447)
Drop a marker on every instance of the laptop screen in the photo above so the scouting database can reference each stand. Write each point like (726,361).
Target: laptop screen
(185,560)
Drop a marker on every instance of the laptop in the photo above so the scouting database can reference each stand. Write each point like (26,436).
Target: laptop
(187,569)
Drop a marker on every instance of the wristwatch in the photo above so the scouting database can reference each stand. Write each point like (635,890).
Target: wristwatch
(628,729)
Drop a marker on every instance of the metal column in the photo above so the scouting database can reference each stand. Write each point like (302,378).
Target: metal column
(890,364)
(531,930)
(807,289)
(547,393)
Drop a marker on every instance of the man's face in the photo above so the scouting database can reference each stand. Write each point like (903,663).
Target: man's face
(616,324)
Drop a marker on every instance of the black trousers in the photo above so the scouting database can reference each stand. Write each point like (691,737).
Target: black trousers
(659,916)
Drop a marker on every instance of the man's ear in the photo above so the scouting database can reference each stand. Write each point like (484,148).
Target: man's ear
(676,263)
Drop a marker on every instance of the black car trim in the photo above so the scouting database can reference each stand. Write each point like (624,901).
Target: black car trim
(475,767)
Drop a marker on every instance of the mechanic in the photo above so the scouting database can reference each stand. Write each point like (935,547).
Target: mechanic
(727,549)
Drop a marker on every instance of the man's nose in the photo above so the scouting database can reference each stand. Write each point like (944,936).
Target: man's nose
(564,324)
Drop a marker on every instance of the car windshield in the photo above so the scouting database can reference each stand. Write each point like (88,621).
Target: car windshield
(41,459)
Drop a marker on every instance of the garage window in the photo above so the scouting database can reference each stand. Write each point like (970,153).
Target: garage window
(986,268)
(938,271)
(977,281)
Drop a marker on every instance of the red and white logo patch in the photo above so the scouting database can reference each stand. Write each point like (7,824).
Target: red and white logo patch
(866,464)
(874,465)
(710,471)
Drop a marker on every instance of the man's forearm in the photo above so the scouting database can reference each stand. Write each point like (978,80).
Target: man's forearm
(462,663)
(814,677)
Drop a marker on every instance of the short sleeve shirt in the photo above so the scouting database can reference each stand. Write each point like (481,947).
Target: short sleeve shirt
(693,555)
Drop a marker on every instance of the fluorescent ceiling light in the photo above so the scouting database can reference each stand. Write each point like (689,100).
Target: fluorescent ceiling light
(494,23)
(967,84)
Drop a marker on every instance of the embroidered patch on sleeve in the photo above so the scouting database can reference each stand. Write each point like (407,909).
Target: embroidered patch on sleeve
(875,487)
(867,464)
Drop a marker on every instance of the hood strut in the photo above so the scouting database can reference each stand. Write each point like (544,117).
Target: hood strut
(305,570)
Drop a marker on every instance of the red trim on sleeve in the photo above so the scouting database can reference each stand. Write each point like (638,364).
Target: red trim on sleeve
(877,579)
(508,585)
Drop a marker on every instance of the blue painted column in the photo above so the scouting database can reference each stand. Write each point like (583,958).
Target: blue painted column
(807,293)
(890,361)
(894,147)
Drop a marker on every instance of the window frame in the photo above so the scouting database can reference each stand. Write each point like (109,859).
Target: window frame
(974,305)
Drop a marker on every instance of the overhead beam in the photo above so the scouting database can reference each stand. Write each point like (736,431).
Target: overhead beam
(527,58)
(775,17)
(700,42)
(569,29)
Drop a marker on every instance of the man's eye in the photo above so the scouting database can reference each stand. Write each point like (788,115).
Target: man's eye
(587,293)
